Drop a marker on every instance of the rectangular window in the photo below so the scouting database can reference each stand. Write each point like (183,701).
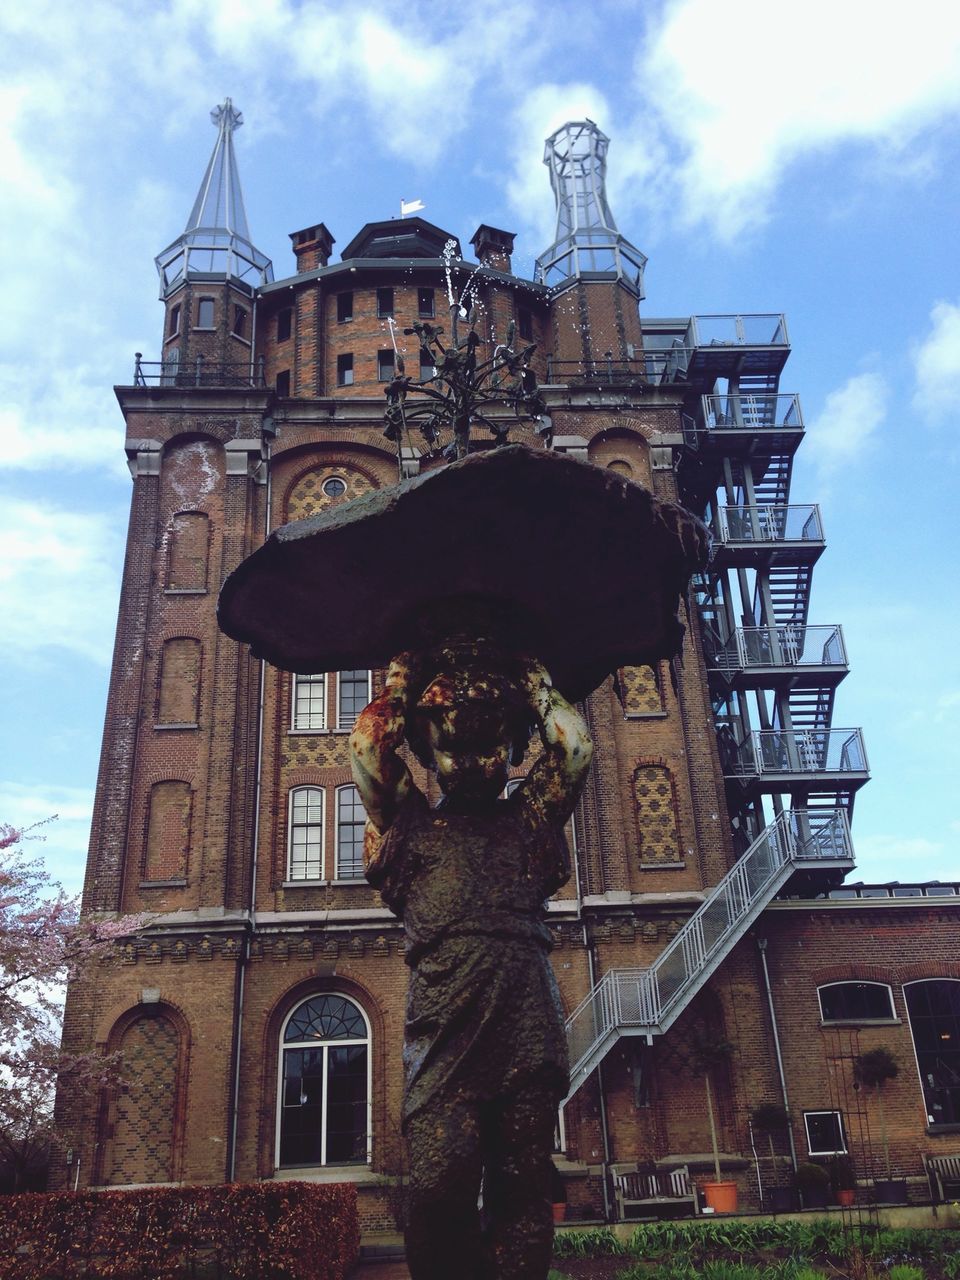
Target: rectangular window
(385,364)
(384,303)
(427,367)
(283,383)
(825,1133)
(205,313)
(310,702)
(425,304)
(353,694)
(284,324)
(525,323)
(344,307)
(305,844)
(351,819)
(239,322)
(345,369)
(174,321)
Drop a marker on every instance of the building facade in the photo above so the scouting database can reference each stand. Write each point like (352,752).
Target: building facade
(260,1014)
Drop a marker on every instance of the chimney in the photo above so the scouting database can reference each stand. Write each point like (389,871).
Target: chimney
(312,247)
(493,247)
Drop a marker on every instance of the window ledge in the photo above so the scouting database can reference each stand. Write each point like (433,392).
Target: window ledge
(304,884)
(186,724)
(184,591)
(327,1173)
(645,715)
(162,884)
(238,337)
(205,328)
(934,1130)
(310,733)
(661,866)
(356,880)
(861,1022)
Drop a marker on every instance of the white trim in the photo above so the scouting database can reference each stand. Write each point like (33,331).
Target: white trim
(321,791)
(338,878)
(305,1044)
(325,682)
(826,1111)
(914,982)
(855,982)
(346,728)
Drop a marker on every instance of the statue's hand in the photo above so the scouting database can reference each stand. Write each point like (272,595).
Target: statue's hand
(534,679)
(405,676)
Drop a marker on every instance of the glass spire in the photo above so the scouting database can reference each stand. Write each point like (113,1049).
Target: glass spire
(587,243)
(215,243)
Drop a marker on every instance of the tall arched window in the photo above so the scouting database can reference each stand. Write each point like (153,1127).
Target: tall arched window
(351,820)
(324,1086)
(934,1009)
(305,841)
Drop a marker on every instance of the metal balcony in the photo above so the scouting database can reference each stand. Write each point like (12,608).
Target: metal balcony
(797,657)
(197,373)
(648,1001)
(765,535)
(736,346)
(744,425)
(774,760)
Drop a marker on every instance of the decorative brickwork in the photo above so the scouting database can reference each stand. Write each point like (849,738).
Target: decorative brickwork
(180,681)
(141,1149)
(168,832)
(640,691)
(308,496)
(328,751)
(657,826)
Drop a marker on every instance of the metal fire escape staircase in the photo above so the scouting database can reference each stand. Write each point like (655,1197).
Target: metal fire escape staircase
(632,1002)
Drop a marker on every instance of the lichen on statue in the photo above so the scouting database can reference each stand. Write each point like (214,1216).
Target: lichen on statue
(485,1055)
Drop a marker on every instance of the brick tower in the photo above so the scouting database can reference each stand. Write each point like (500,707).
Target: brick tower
(261,1012)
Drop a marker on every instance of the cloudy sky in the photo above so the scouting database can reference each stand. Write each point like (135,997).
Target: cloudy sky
(768,156)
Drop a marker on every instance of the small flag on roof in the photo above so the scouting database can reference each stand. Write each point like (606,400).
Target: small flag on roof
(410,206)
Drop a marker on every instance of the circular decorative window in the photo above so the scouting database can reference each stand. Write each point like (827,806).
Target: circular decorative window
(334,487)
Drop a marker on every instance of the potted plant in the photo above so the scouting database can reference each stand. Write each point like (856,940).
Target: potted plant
(813,1183)
(711,1051)
(843,1179)
(873,1069)
(771,1118)
(558,1194)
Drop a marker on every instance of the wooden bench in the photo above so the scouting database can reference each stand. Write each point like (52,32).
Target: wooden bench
(943,1173)
(642,1190)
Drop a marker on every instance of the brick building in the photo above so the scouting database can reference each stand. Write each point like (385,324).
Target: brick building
(261,1013)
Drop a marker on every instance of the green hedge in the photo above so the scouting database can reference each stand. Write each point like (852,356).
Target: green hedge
(250,1231)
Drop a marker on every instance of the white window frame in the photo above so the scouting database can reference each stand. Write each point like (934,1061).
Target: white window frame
(916,982)
(302,1044)
(841,1151)
(855,982)
(324,683)
(347,786)
(291,827)
(345,728)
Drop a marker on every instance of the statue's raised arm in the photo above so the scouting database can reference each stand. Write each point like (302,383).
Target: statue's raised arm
(553,785)
(381,777)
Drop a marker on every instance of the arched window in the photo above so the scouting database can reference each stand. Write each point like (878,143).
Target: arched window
(189,540)
(167,854)
(140,1147)
(179,681)
(934,1010)
(855,1002)
(351,819)
(305,841)
(324,1084)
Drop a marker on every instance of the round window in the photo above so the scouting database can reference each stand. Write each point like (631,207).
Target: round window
(334,487)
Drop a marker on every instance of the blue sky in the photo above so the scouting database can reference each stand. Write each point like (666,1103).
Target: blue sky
(795,157)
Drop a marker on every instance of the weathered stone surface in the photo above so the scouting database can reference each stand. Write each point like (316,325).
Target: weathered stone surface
(588,567)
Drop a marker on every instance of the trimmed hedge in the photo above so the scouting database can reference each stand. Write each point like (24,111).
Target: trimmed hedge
(246,1231)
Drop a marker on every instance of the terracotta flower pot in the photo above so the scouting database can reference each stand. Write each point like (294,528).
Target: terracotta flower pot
(560,1211)
(846,1196)
(721,1197)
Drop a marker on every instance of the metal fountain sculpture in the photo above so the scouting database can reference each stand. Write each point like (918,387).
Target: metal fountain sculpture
(497,591)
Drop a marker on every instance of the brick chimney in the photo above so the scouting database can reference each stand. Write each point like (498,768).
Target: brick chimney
(493,247)
(312,247)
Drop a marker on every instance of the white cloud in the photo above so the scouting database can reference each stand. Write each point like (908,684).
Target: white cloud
(60,845)
(845,427)
(747,87)
(59,581)
(936,363)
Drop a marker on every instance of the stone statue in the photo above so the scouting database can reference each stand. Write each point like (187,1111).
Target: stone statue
(484,1054)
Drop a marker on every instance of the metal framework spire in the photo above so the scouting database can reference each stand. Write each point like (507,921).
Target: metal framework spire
(215,243)
(587,244)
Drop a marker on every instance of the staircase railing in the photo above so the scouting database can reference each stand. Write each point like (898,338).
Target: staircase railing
(651,999)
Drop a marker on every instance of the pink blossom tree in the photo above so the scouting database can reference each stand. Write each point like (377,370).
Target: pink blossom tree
(43,944)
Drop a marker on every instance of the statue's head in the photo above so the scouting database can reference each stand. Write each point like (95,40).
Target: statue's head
(470,723)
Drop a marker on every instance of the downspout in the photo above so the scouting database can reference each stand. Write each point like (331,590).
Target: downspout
(604,1127)
(252,917)
(762,948)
